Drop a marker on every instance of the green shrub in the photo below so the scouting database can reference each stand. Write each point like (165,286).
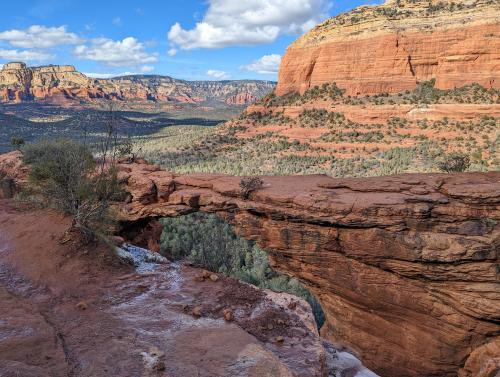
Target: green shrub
(17,142)
(454,163)
(65,176)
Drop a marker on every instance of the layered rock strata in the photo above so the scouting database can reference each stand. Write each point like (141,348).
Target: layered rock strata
(19,83)
(391,47)
(405,267)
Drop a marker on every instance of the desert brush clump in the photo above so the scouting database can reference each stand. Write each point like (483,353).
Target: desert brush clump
(424,93)
(454,163)
(66,176)
(249,185)
(17,142)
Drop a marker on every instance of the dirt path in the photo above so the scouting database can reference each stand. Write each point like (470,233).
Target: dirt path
(66,310)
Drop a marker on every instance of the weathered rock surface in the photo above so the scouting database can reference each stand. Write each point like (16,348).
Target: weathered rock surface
(405,267)
(20,83)
(389,48)
(68,309)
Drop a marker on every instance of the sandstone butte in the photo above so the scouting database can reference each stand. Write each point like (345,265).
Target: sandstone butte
(405,267)
(391,47)
(62,83)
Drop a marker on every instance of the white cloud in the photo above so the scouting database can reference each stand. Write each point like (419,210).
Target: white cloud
(146,68)
(172,52)
(129,52)
(24,55)
(219,75)
(268,64)
(230,23)
(38,36)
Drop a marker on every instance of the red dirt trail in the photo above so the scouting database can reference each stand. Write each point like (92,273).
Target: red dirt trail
(70,310)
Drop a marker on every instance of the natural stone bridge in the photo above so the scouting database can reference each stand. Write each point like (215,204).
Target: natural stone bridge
(405,267)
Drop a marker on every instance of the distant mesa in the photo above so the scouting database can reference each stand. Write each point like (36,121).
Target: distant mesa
(65,85)
(13,66)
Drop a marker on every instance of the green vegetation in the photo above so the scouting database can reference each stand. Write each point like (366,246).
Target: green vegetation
(266,118)
(357,149)
(319,118)
(454,163)
(249,185)
(65,175)
(209,242)
(33,123)
(271,154)
(17,142)
(424,93)
(400,11)
(327,91)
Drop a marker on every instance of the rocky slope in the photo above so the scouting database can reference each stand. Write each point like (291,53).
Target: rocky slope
(60,84)
(405,266)
(389,48)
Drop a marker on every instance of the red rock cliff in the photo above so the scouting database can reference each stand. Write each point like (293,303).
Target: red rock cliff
(389,48)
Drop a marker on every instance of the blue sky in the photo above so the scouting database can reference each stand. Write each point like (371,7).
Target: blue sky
(188,39)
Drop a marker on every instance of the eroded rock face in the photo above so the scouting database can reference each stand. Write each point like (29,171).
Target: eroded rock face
(389,48)
(20,83)
(405,267)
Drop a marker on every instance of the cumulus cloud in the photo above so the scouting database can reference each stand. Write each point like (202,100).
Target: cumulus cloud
(172,52)
(268,64)
(128,52)
(250,22)
(38,36)
(219,75)
(24,55)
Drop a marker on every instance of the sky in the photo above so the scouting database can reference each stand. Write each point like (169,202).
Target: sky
(185,39)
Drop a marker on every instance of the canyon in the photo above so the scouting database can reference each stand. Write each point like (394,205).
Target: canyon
(405,266)
(391,47)
(63,85)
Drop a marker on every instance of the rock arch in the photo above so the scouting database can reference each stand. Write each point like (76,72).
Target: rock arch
(405,267)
